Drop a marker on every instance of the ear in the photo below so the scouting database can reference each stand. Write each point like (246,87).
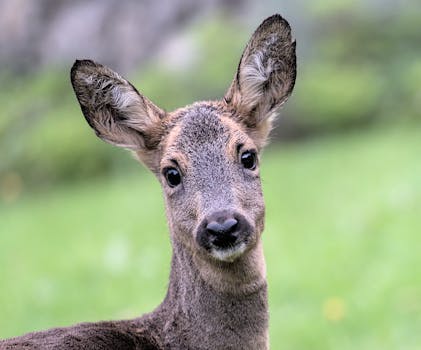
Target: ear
(115,109)
(265,77)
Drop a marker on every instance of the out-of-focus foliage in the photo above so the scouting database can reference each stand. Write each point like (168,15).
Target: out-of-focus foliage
(38,33)
(365,66)
(41,138)
(357,65)
(216,48)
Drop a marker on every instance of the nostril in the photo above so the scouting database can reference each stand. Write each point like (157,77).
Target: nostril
(214,228)
(227,227)
(230,225)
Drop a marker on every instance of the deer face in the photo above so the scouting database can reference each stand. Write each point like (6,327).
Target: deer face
(206,156)
(210,174)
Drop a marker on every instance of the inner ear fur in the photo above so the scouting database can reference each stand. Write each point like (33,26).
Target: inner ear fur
(265,77)
(113,107)
(117,112)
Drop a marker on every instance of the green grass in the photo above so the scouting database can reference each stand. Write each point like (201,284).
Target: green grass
(342,243)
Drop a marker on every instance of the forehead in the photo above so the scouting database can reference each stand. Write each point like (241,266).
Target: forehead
(203,125)
(204,132)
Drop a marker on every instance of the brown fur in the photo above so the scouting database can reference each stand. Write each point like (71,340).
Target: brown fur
(217,297)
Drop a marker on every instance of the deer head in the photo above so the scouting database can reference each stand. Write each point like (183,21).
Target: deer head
(206,155)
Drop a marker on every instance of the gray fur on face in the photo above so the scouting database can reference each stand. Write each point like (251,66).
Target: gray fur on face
(207,149)
(217,294)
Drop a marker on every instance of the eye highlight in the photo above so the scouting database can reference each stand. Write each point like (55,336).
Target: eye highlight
(249,160)
(172,176)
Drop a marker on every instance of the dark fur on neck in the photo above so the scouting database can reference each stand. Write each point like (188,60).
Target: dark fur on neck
(193,312)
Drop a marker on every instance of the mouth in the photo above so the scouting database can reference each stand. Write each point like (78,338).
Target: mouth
(228,254)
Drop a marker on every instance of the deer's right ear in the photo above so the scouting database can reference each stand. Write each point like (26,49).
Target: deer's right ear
(115,109)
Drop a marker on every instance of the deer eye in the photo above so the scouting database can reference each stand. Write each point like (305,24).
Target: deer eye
(248,159)
(173,176)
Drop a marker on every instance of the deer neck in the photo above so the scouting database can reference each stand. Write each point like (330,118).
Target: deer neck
(214,305)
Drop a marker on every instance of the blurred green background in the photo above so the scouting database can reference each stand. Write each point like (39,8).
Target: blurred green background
(83,233)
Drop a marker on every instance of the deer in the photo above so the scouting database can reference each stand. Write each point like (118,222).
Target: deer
(206,157)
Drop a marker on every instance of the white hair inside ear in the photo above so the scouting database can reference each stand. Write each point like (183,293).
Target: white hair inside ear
(253,77)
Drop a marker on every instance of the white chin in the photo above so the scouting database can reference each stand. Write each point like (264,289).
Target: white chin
(228,254)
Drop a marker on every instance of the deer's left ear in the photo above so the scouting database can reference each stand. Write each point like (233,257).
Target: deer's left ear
(265,77)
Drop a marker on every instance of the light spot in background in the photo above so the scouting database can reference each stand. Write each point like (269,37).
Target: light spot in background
(11,187)
(179,54)
(45,291)
(401,196)
(148,262)
(334,309)
(116,254)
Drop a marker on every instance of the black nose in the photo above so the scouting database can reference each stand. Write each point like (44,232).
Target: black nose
(223,229)
(222,234)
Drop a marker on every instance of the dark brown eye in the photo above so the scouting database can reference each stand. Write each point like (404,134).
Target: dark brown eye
(248,159)
(173,176)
